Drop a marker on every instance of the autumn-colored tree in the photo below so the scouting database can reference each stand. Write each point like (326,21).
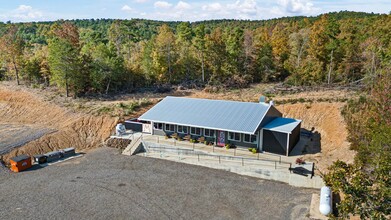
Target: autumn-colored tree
(264,55)
(216,56)
(323,45)
(11,50)
(164,54)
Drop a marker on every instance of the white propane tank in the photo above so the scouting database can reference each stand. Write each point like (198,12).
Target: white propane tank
(325,206)
(120,129)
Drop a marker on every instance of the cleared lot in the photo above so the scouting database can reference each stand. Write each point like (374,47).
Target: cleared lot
(106,185)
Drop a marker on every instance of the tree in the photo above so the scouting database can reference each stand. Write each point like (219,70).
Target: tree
(108,67)
(279,42)
(64,62)
(298,42)
(323,46)
(249,64)
(11,48)
(199,44)
(185,57)
(216,56)
(164,54)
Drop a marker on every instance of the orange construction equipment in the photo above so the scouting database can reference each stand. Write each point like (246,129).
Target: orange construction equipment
(20,163)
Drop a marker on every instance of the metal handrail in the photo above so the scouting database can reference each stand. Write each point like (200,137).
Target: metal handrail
(218,156)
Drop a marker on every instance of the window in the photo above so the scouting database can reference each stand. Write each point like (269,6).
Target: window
(158,126)
(232,136)
(209,133)
(195,131)
(248,138)
(170,127)
(182,129)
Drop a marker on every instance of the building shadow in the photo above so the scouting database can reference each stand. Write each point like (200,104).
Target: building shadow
(310,143)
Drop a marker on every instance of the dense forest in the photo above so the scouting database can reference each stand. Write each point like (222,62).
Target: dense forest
(104,55)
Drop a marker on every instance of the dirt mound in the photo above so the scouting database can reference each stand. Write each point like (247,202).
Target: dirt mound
(327,120)
(74,129)
(117,143)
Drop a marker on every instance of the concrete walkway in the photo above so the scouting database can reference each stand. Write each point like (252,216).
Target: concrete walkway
(241,161)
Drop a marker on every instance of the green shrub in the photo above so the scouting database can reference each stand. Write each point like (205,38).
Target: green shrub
(254,150)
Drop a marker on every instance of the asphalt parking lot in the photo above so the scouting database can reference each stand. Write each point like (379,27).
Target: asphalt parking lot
(106,185)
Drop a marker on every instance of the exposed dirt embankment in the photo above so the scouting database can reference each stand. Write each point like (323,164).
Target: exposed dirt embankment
(327,120)
(73,129)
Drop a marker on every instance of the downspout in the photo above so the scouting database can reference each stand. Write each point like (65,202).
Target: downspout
(261,140)
(287,145)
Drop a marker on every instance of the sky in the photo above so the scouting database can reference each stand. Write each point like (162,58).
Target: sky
(182,10)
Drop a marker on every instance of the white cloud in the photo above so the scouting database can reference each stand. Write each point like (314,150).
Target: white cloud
(162,4)
(304,7)
(126,8)
(212,7)
(141,1)
(23,13)
(183,6)
(245,9)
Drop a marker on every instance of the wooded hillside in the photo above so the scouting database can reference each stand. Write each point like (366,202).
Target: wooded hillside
(102,56)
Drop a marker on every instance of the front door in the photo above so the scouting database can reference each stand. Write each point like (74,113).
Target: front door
(147,128)
(221,138)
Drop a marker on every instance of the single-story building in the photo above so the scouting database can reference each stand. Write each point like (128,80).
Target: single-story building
(243,124)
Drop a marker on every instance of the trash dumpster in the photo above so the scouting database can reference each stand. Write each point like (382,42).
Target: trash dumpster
(20,163)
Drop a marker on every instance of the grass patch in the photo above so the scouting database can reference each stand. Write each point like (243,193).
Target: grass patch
(124,108)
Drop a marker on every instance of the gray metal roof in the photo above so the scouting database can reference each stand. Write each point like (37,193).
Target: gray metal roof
(243,117)
(285,125)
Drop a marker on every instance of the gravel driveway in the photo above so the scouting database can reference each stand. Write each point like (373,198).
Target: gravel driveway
(106,185)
